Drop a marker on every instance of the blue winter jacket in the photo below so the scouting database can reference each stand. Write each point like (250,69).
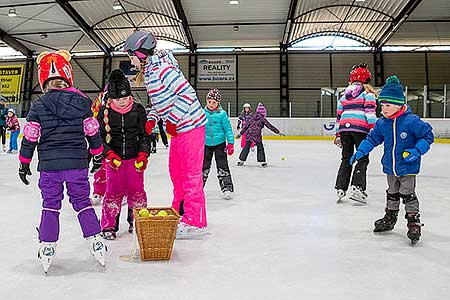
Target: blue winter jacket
(62,144)
(218,127)
(404,132)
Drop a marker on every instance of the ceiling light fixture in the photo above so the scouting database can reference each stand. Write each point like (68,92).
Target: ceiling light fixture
(234,2)
(12,13)
(44,35)
(236,28)
(117,5)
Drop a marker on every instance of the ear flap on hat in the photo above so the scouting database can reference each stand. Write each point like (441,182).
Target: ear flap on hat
(40,56)
(65,54)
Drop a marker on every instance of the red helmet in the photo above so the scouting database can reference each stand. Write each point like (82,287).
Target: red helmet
(360,73)
(54,66)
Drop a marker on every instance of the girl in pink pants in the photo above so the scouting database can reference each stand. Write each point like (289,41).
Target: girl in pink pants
(175,102)
(122,128)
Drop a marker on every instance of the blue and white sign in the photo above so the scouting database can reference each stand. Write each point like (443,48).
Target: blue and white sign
(217,69)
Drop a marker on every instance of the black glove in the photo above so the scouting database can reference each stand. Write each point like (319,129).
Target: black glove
(24,170)
(96,162)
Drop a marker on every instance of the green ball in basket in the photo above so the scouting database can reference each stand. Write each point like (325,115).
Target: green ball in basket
(143,212)
(162,213)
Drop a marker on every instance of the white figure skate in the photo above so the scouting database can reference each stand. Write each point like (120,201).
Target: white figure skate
(185,231)
(46,253)
(358,195)
(97,248)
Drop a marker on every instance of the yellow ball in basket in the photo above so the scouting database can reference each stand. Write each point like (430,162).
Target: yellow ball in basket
(117,162)
(138,165)
(143,212)
(162,213)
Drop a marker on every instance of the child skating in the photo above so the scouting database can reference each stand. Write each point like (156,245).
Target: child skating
(355,117)
(122,127)
(62,154)
(3,115)
(219,142)
(406,138)
(244,117)
(175,101)
(253,129)
(13,126)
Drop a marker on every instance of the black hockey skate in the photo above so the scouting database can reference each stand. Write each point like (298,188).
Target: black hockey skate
(414,227)
(153,150)
(386,223)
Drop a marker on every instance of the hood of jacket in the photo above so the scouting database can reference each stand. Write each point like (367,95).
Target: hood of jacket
(65,104)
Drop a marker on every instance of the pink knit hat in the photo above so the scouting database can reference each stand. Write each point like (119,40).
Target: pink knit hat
(261,109)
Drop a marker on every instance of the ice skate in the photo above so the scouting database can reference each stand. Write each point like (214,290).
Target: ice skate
(4,148)
(386,223)
(124,201)
(414,227)
(185,231)
(98,249)
(358,195)
(109,235)
(130,228)
(96,199)
(264,164)
(153,149)
(46,253)
(340,194)
(227,195)
(240,163)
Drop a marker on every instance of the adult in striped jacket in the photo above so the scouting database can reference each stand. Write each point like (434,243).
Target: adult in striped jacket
(175,101)
(355,118)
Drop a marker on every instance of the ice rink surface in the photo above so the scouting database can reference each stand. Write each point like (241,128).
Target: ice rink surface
(281,237)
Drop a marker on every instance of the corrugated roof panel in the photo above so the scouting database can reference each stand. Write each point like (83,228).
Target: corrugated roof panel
(247,36)
(367,20)
(415,34)
(216,11)
(38,18)
(431,10)
(101,16)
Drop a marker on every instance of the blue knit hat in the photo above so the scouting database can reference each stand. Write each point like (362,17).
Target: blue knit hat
(392,92)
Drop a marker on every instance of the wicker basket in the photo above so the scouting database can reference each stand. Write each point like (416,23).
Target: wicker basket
(156,234)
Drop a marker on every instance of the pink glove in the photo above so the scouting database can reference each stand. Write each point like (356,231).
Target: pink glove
(229,149)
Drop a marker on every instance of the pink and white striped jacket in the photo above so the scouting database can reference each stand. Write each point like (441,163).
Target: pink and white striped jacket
(173,98)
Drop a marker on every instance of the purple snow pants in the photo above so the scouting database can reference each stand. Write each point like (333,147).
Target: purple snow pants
(77,185)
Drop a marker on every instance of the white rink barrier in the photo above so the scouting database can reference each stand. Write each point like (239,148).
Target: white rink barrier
(326,126)
(322,127)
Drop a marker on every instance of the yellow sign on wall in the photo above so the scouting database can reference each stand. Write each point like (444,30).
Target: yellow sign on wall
(11,81)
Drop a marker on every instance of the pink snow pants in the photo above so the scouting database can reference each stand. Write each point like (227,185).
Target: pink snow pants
(185,168)
(100,180)
(243,141)
(125,181)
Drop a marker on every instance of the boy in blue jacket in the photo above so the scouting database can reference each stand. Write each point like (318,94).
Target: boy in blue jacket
(406,138)
(218,132)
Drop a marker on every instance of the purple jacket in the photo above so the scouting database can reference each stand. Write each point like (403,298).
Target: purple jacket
(254,127)
(243,118)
